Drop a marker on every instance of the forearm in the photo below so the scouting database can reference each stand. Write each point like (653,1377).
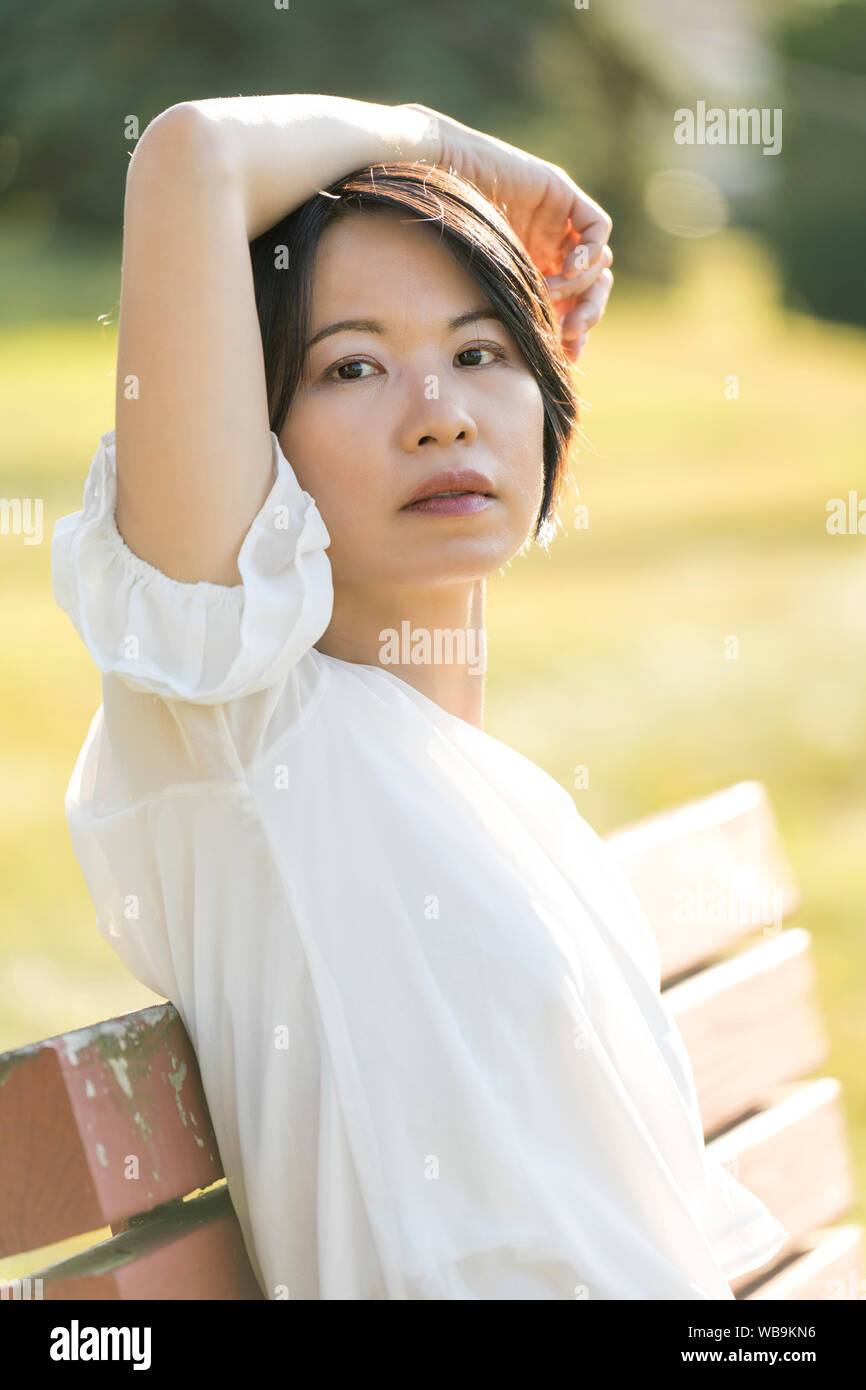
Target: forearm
(283,148)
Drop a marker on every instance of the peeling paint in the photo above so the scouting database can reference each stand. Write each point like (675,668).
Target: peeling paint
(140,1077)
(177,1079)
(107,1036)
(143,1126)
(119,1067)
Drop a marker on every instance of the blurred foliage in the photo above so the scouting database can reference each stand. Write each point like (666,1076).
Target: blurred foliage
(537,73)
(816,223)
(576,86)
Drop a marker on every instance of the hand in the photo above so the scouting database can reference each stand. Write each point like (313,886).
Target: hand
(564,231)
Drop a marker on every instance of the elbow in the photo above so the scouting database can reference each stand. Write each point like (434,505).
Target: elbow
(182,135)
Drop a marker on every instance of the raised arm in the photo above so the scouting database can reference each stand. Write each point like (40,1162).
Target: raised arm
(193,449)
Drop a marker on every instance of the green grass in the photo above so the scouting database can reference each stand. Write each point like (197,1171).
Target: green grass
(707,522)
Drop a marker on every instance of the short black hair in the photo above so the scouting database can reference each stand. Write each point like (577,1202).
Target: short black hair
(480,238)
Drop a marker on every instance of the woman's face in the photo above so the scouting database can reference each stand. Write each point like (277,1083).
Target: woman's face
(383,409)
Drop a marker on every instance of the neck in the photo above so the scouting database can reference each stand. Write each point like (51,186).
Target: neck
(434,639)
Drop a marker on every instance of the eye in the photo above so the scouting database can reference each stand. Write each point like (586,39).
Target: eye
(349,362)
(494,348)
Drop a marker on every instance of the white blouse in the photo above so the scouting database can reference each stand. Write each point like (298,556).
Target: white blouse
(424,998)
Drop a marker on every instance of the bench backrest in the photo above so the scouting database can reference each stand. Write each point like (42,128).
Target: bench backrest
(108,1126)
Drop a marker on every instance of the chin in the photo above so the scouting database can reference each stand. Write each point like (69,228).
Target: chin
(447,566)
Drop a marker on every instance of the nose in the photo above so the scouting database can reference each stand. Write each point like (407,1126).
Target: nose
(436,416)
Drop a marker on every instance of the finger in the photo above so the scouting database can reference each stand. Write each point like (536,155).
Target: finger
(573,347)
(577,276)
(592,223)
(590,309)
(588,313)
(568,285)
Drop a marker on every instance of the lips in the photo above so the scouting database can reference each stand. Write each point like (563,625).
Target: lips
(464,481)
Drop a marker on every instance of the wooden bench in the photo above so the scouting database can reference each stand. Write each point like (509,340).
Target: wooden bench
(108,1126)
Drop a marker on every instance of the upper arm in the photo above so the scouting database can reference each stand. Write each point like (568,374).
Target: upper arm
(193,447)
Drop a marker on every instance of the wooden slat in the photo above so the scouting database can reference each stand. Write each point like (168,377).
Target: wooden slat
(708,872)
(830,1267)
(749,1023)
(795,1156)
(79,1109)
(194,1250)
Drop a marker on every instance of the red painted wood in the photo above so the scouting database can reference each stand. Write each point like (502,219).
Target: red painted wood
(83,1113)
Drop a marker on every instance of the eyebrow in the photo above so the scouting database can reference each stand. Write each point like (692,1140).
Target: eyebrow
(485,311)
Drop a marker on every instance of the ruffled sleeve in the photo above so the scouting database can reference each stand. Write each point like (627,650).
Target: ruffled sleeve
(207,643)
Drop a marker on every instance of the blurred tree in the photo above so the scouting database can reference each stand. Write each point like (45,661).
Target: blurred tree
(817,221)
(538,73)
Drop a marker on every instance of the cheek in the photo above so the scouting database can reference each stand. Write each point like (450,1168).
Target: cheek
(528,405)
(520,442)
(322,452)
(335,464)
(519,405)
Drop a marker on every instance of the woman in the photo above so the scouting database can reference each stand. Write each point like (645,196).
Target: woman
(424,1000)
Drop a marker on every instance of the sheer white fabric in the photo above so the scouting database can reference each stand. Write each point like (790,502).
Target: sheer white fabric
(424,999)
